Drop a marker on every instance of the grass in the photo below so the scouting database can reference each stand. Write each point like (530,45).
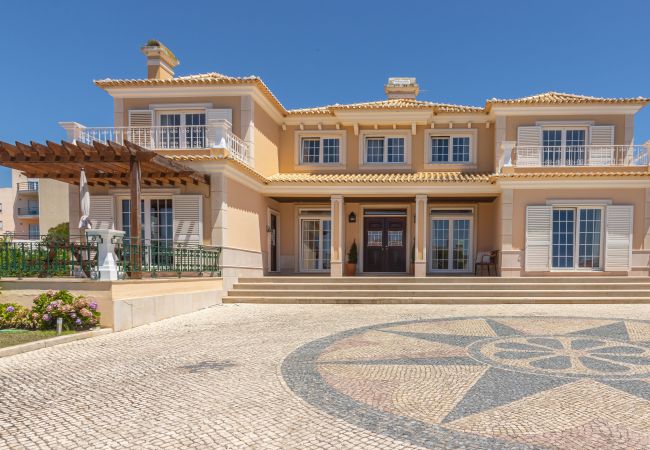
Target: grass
(16,337)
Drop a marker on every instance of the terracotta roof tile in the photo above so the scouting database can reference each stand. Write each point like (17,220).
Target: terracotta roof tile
(554,98)
(389,104)
(568,174)
(453,177)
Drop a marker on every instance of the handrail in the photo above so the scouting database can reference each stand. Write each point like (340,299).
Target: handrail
(181,137)
(27,186)
(580,155)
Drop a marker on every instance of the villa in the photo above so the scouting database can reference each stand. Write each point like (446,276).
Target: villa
(542,185)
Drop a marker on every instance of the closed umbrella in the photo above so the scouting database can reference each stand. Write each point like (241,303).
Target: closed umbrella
(84,196)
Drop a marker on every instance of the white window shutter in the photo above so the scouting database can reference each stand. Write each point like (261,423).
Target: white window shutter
(529,137)
(140,123)
(601,152)
(214,120)
(102,212)
(188,219)
(618,237)
(538,238)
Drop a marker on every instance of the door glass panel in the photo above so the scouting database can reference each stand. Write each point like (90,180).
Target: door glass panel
(310,244)
(195,130)
(461,244)
(170,132)
(126,219)
(440,244)
(575,147)
(589,238)
(374,238)
(327,244)
(552,147)
(395,238)
(563,238)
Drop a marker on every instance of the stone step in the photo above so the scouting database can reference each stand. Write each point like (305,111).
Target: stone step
(382,287)
(583,278)
(438,300)
(314,293)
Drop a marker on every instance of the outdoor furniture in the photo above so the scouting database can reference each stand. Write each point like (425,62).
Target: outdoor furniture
(486,260)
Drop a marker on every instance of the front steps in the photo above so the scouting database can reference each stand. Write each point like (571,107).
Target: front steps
(440,290)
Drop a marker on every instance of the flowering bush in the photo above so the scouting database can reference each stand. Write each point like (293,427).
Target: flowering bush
(13,315)
(78,313)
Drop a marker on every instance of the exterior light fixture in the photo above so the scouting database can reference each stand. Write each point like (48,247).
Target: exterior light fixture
(352,218)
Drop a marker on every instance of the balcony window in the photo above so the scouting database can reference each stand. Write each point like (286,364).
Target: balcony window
(317,150)
(576,238)
(182,130)
(563,147)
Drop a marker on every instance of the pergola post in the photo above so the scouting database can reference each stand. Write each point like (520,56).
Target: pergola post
(137,246)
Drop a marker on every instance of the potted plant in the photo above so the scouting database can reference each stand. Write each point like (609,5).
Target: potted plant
(351,265)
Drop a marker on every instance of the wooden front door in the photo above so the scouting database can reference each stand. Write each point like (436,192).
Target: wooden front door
(274,243)
(384,244)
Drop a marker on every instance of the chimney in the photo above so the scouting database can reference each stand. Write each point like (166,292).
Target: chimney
(160,60)
(402,87)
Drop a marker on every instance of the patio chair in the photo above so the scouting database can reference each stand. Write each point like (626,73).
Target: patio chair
(486,260)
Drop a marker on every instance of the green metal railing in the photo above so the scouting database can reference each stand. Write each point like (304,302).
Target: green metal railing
(159,257)
(46,257)
(67,257)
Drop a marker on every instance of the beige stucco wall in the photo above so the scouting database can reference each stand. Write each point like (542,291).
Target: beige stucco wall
(289,153)
(267,141)
(53,200)
(618,120)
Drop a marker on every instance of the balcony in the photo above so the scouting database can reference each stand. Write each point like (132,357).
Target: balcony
(575,156)
(170,138)
(28,211)
(27,187)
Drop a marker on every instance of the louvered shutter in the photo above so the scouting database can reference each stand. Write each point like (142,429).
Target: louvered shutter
(601,152)
(618,237)
(188,219)
(102,212)
(538,237)
(140,127)
(214,121)
(528,141)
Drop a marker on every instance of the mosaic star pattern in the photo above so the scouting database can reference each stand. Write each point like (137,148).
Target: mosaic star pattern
(482,382)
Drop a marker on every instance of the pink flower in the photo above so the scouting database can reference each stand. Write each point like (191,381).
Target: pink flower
(86,313)
(46,317)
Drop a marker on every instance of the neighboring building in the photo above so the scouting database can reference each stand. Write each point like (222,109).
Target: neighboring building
(554,182)
(37,206)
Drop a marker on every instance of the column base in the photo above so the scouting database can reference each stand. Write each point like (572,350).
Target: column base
(420,269)
(336,269)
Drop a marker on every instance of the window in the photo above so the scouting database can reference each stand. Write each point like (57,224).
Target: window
(453,148)
(577,238)
(182,130)
(563,147)
(380,149)
(34,231)
(315,241)
(451,242)
(317,150)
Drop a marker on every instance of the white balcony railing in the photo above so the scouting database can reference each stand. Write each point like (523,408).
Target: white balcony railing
(580,156)
(168,137)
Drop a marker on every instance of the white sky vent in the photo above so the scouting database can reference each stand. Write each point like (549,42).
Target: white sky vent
(402,87)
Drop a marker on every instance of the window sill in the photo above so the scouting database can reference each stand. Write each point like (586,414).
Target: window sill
(374,166)
(453,166)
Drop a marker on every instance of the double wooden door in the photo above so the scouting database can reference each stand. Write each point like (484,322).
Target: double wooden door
(384,244)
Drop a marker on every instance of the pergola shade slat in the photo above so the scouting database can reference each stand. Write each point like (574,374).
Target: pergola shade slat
(103,163)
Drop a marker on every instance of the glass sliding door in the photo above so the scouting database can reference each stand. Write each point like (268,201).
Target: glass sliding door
(157,233)
(315,244)
(577,238)
(564,147)
(451,244)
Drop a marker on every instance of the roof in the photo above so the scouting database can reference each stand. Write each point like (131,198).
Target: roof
(210,78)
(568,175)
(449,177)
(389,104)
(555,98)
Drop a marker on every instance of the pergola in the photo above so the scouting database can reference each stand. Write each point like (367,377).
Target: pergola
(109,164)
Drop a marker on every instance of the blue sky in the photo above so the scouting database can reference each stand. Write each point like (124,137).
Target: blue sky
(318,52)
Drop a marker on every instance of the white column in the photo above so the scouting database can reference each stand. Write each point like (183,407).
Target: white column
(507,147)
(338,225)
(73,130)
(420,257)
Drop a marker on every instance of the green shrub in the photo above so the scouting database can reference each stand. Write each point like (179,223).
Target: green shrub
(78,313)
(13,315)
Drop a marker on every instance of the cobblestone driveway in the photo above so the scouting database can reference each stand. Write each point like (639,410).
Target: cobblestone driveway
(349,376)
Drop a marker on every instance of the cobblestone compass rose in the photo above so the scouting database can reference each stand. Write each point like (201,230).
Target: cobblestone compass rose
(481,382)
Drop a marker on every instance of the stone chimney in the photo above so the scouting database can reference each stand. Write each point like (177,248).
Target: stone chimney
(160,60)
(402,87)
